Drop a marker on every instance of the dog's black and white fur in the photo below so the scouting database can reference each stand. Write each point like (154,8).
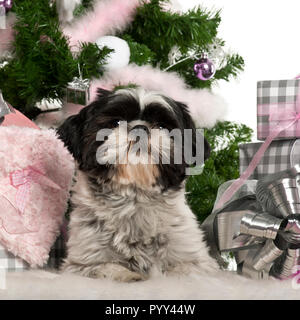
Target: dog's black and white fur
(129,221)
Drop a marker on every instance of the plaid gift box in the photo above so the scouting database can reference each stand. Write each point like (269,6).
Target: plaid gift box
(281,155)
(277,97)
(12,263)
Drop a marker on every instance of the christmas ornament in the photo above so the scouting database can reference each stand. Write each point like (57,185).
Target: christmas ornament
(174,55)
(204,68)
(120,56)
(217,53)
(78,91)
(49,104)
(261,225)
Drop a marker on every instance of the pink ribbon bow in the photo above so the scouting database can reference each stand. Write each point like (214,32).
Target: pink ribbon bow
(285,120)
(22,180)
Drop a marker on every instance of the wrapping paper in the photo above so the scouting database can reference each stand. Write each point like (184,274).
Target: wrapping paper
(12,263)
(277,97)
(44,206)
(281,155)
(260,224)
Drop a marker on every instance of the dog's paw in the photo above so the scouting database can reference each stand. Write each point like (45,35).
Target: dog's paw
(116,272)
(127,276)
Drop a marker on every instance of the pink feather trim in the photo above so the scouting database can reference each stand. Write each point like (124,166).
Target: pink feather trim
(205,107)
(107,17)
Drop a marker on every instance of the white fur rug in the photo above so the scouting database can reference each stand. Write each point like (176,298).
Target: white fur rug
(225,285)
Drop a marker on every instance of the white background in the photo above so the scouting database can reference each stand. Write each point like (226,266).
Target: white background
(266,33)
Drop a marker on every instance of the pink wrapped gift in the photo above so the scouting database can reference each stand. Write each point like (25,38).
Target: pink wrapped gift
(278,117)
(278,103)
(35,177)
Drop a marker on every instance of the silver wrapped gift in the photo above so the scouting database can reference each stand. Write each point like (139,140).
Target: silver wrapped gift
(260,225)
(78,91)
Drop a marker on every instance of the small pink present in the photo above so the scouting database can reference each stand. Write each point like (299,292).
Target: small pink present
(35,177)
(278,104)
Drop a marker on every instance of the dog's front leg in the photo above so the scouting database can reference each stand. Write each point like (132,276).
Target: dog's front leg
(111,271)
(116,272)
(183,269)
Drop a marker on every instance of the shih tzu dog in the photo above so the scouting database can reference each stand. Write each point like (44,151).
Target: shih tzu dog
(130,218)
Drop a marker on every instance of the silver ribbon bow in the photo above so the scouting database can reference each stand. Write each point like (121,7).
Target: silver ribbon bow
(261,225)
(79,84)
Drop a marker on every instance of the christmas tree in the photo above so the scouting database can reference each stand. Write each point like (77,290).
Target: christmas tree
(47,54)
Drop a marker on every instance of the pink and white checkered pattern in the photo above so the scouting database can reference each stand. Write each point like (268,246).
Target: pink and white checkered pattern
(281,155)
(276,96)
(22,179)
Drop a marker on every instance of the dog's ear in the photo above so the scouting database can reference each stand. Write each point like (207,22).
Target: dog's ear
(103,93)
(207,149)
(189,123)
(71,133)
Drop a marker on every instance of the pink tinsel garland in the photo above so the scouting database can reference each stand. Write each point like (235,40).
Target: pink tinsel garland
(205,107)
(106,18)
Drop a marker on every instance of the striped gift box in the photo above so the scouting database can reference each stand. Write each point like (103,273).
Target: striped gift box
(281,155)
(276,96)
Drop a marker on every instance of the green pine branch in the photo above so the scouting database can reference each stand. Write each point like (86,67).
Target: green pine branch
(222,165)
(155,32)
(42,63)
(160,30)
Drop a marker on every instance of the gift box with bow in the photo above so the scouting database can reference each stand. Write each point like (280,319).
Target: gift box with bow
(280,155)
(11,263)
(78,91)
(278,108)
(260,224)
(35,178)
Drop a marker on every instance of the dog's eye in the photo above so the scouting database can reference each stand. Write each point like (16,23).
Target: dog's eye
(115,123)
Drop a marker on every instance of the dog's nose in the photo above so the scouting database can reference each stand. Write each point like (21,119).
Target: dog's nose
(141,127)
